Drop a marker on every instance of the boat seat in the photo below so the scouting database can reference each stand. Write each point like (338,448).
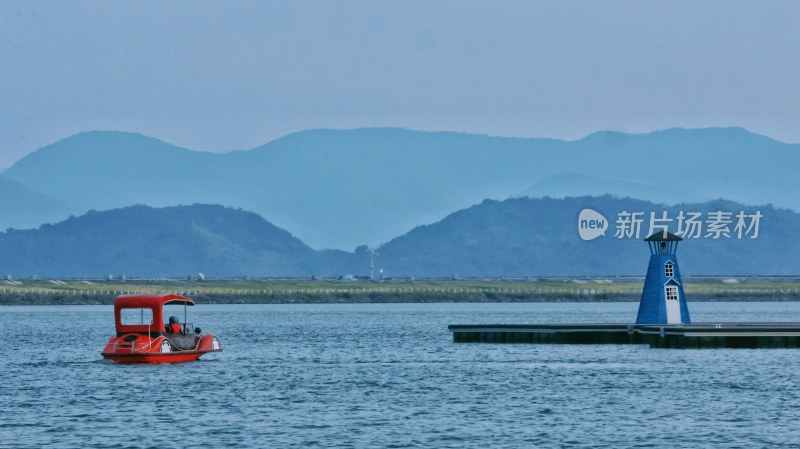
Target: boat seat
(185,342)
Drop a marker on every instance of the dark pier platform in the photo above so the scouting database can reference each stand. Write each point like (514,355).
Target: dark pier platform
(686,336)
(662,320)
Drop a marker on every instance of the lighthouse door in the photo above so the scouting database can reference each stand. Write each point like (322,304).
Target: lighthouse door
(673,304)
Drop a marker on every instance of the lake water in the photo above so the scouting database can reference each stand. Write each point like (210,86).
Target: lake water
(388,375)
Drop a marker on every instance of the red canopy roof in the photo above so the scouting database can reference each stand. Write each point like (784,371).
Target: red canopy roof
(154,302)
(150,301)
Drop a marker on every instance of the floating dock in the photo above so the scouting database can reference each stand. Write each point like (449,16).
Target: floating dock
(663,319)
(681,336)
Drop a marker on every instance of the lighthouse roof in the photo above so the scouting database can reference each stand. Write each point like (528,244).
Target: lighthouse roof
(663,236)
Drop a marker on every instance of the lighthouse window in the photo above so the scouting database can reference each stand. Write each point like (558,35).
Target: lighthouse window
(672,293)
(668,270)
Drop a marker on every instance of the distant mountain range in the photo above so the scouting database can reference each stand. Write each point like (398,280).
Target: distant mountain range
(23,207)
(148,241)
(539,237)
(514,237)
(340,189)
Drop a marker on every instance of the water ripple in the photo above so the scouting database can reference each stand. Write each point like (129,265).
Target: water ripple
(385,375)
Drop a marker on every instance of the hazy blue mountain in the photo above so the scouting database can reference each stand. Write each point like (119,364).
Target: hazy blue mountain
(514,237)
(339,189)
(106,169)
(22,207)
(697,164)
(539,237)
(143,241)
(565,185)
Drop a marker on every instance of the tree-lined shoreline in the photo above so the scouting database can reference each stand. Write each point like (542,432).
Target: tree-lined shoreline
(398,291)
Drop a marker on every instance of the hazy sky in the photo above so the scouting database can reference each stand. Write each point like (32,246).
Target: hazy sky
(228,75)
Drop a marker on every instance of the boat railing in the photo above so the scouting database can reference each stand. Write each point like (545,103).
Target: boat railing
(133,347)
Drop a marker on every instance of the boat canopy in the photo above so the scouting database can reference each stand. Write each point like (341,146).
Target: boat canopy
(155,303)
(150,301)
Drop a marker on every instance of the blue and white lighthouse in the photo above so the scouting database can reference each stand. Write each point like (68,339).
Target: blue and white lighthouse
(663,300)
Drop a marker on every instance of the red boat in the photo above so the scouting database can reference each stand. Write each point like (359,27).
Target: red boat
(144,337)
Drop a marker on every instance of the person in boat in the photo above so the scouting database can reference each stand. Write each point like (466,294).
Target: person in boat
(174,326)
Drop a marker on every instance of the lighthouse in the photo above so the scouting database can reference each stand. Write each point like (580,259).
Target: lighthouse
(663,300)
